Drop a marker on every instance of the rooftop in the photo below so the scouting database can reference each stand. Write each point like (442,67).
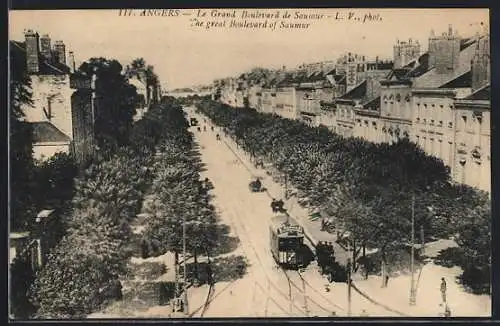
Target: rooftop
(358,92)
(46,132)
(45,67)
(483,93)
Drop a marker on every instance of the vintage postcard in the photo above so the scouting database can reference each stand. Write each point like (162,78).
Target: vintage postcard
(187,163)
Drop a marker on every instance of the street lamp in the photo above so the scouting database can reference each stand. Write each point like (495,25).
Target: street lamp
(412,286)
(185,298)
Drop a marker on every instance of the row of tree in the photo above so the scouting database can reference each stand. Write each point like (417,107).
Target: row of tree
(82,272)
(51,184)
(178,194)
(115,107)
(370,190)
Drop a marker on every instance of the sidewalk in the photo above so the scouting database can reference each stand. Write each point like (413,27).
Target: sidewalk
(428,296)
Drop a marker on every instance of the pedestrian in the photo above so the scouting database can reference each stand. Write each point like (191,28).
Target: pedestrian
(447,311)
(443,289)
(273,205)
(386,280)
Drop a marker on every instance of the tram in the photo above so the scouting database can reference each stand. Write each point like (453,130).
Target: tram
(286,242)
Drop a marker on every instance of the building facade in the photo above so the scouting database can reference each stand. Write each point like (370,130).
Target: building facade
(405,52)
(472,161)
(54,113)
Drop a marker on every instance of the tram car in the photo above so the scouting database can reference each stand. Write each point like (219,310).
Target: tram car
(286,242)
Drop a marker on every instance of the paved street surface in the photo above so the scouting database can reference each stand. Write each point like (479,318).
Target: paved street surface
(265,290)
(269,291)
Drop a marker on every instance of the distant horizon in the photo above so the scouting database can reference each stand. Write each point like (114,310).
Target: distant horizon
(184,56)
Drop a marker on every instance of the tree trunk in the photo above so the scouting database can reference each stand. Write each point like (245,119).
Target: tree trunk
(176,268)
(195,264)
(354,255)
(364,259)
(384,267)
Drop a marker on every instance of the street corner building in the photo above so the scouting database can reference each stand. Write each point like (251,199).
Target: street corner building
(62,108)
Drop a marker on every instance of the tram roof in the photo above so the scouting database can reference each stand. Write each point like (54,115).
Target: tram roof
(278,220)
(277,223)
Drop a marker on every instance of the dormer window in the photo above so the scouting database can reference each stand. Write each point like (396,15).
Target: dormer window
(476,153)
(479,116)
(398,97)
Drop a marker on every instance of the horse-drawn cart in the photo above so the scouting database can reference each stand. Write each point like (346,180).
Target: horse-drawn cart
(256,185)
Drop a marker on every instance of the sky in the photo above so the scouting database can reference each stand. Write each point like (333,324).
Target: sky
(184,55)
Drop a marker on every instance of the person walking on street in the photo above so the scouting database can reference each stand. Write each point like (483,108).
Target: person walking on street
(443,290)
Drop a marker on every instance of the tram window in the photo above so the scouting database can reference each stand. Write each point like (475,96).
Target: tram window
(285,244)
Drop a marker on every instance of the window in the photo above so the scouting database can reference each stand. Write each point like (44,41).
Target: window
(432,123)
(418,120)
(424,121)
(450,124)
(425,105)
(440,123)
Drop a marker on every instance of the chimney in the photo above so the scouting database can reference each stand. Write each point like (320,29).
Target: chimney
(45,47)
(71,61)
(32,51)
(60,51)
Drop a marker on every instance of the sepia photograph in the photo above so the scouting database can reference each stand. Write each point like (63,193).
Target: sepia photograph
(249,163)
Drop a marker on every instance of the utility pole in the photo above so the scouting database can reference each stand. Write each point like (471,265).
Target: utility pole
(422,239)
(286,186)
(186,310)
(348,280)
(412,286)
(349,287)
